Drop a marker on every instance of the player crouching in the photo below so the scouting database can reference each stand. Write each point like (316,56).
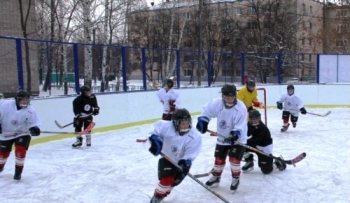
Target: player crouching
(260,138)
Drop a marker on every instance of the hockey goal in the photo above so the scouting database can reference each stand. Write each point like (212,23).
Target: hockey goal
(262,98)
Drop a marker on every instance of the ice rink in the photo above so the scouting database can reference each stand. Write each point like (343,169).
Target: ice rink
(116,169)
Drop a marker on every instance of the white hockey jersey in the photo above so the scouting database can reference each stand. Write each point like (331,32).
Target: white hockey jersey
(291,103)
(16,123)
(227,119)
(177,146)
(165,97)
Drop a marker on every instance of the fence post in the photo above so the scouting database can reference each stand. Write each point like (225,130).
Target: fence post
(143,67)
(318,68)
(243,67)
(178,68)
(279,68)
(123,50)
(19,64)
(209,68)
(76,67)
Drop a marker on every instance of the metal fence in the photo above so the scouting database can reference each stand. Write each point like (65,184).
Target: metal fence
(42,66)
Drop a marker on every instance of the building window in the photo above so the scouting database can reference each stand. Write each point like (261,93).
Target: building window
(239,41)
(239,11)
(251,10)
(311,10)
(213,28)
(212,13)
(302,57)
(228,11)
(340,43)
(310,57)
(188,15)
(304,7)
(310,25)
(303,41)
(310,42)
(155,18)
(342,13)
(252,25)
(303,23)
(187,72)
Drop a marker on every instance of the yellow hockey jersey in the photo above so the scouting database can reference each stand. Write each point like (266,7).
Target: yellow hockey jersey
(248,98)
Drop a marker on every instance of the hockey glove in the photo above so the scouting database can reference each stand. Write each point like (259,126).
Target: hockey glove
(76,121)
(235,136)
(96,111)
(172,105)
(156,145)
(303,110)
(258,104)
(185,166)
(202,124)
(279,105)
(34,131)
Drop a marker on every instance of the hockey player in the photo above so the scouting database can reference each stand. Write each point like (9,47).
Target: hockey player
(231,117)
(260,138)
(249,96)
(84,106)
(181,143)
(292,106)
(18,122)
(169,97)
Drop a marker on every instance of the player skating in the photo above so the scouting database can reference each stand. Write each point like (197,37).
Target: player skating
(231,117)
(169,98)
(291,105)
(84,106)
(17,117)
(178,141)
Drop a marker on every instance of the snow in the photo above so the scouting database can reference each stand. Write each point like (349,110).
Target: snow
(116,169)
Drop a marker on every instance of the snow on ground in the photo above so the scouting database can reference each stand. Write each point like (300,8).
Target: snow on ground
(116,169)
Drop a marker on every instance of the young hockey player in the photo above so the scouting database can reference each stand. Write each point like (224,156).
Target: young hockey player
(291,108)
(169,97)
(260,138)
(181,143)
(18,122)
(249,96)
(231,117)
(84,106)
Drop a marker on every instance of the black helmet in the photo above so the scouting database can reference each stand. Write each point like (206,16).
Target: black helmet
(229,90)
(254,114)
(181,115)
(169,83)
(250,83)
(290,87)
(22,94)
(84,89)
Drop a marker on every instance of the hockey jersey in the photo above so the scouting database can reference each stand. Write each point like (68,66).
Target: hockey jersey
(234,118)
(291,103)
(178,147)
(165,97)
(16,123)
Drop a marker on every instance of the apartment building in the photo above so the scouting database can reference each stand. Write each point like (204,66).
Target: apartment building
(10,25)
(229,28)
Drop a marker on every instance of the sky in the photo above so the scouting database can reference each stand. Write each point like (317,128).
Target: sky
(116,169)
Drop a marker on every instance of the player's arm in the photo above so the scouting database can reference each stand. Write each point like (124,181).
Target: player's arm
(255,100)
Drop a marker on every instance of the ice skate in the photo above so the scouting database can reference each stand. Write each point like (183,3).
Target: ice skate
(88,140)
(213,181)
(78,142)
(18,173)
(249,165)
(156,199)
(285,128)
(294,125)
(234,184)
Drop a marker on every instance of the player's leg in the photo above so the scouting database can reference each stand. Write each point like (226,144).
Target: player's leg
(294,120)
(235,158)
(5,150)
(88,135)
(285,118)
(21,147)
(220,155)
(78,124)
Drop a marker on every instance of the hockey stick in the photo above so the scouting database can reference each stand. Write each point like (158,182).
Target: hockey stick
(85,131)
(289,162)
(63,126)
(321,115)
(195,179)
